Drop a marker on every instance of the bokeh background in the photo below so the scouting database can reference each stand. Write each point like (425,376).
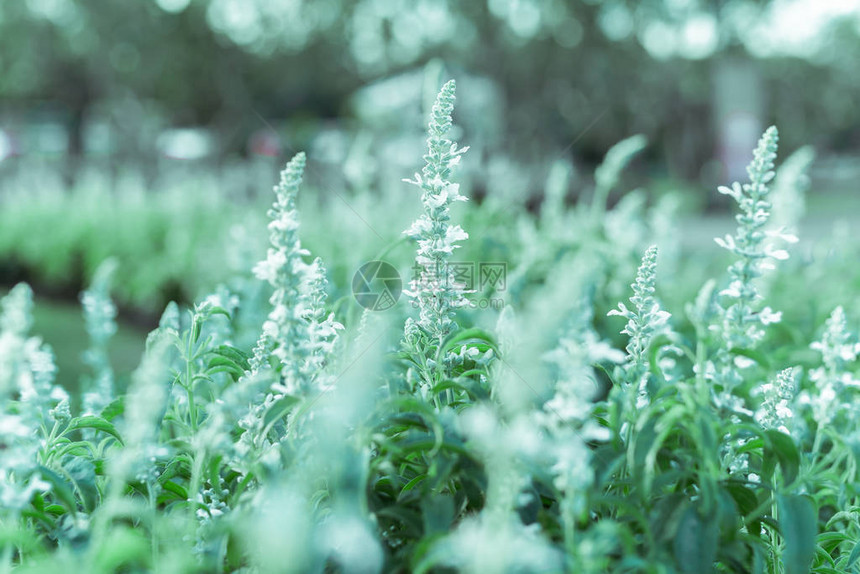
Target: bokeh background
(153,130)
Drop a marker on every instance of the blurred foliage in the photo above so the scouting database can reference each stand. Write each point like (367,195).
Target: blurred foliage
(581,74)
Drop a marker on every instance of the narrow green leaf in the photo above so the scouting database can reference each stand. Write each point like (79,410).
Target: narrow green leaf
(96,423)
(113,409)
(854,556)
(412,484)
(786,453)
(238,356)
(474,336)
(60,488)
(798,525)
(176,489)
(279,409)
(696,543)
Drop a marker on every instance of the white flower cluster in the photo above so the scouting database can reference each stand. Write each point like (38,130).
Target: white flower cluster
(566,417)
(644,321)
(496,540)
(100,321)
(297,331)
(775,411)
(483,544)
(742,326)
(739,323)
(435,289)
(31,400)
(839,349)
(145,406)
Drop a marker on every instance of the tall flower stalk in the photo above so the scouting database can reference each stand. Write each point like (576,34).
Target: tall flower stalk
(296,331)
(740,323)
(644,321)
(434,289)
(32,407)
(100,321)
(839,350)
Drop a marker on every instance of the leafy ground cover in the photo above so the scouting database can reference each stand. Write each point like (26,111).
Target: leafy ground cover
(697,420)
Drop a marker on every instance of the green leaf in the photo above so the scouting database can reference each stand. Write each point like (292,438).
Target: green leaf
(657,343)
(42,517)
(176,489)
(279,409)
(82,474)
(745,498)
(235,355)
(696,543)
(854,556)
(96,423)
(798,524)
(60,488)
(113,409)
(122,546)
(412,484)
(230,370)
(830,540)
(786,453)
(468,337)
(77,448)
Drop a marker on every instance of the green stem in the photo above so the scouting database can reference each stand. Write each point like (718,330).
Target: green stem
(189,385)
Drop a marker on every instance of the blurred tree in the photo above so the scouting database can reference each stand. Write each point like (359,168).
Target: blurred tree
(581,73)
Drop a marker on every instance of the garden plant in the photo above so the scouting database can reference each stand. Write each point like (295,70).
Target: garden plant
(588,426)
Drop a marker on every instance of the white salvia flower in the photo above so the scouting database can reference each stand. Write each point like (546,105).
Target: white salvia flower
(775,411)
(27,370)
(566,417)
(297,331)
(434,288)
(738,323)
(283,267)
(571,362)
(789,192)
(15,322)
(145,404)
(211,506)
(768,316)
(644,321)
(741,325)
(486,545)
(839,348)
(100,320)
